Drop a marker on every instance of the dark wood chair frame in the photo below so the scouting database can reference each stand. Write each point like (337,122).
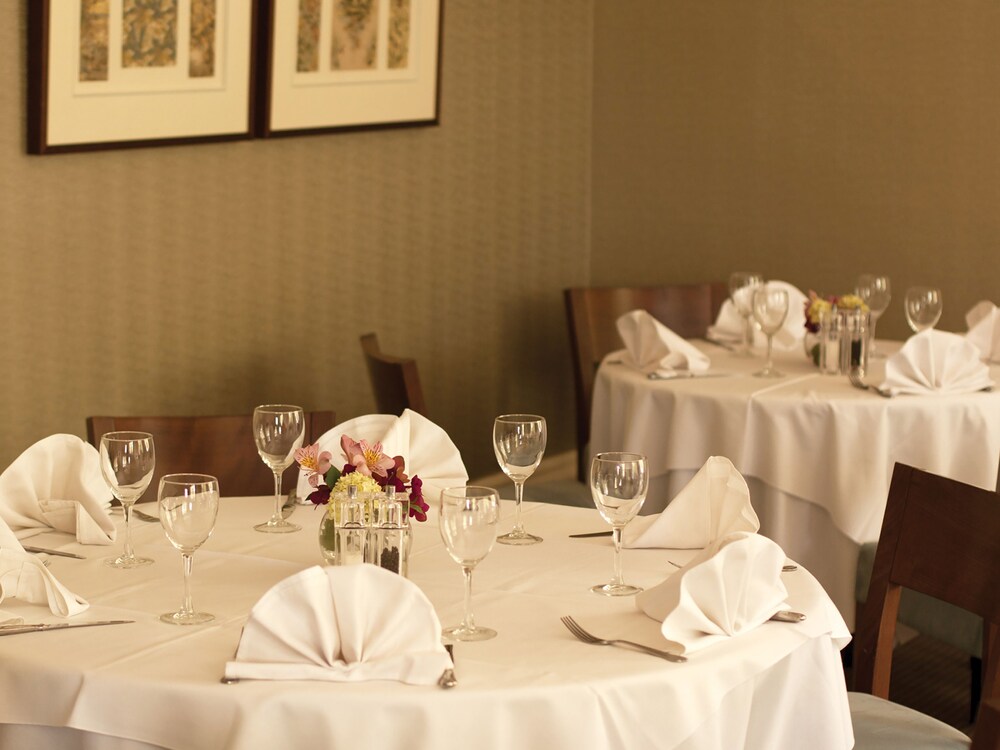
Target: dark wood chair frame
(395,380)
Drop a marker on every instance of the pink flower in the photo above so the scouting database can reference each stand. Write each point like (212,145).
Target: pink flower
(366,458)
(310,459)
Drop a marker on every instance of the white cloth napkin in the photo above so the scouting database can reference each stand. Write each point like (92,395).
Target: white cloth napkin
(652,347)
(936,362)
(428,451)
(342,624)
(714,503)
(57,484)
(984,329)
(732,586)
(729,324)
(24,577)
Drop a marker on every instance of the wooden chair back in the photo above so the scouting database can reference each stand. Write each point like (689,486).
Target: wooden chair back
(222,446)
(986,735)
(941,538)
(687,309)
(395,380)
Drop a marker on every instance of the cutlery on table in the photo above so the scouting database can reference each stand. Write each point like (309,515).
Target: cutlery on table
(574,627)
(857,382)
(59,553)
(787,568)
(448,679)
(684,374)
(42,627)
(590,534)
(787,615)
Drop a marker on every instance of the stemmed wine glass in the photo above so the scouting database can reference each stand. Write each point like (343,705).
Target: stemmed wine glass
(278,430)
(189,505)
(874,291)
(519,442)
(618,482)
(742,285)
(468,525)
(923,307)
(770,307)
(127,463)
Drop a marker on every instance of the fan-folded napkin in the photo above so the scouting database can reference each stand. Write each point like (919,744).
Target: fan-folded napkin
(730,587)
(428,451)
(342,624)
(936,362)
(24,577)
(57,484)
(729,323)
(650,346)
(714,503)
(984,329)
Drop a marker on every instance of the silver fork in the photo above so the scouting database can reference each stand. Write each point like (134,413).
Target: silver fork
(574,627)
(857,382)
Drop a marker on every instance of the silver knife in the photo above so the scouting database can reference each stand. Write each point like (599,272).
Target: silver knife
(39,627)
(60,553)
(685,375)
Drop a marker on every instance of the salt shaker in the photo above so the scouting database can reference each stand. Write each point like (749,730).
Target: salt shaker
(351,533)
(393,536)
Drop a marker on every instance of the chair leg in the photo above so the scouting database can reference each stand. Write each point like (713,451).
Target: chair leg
(976,691)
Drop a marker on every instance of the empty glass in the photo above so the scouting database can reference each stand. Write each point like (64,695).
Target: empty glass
(127,463)
(742,285)
(618,483)
(923,307)
(875,291)
(189,505)
(468,526)
(519,442)
(770,308)
(278,430)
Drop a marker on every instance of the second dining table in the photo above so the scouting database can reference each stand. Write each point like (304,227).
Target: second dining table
(817,453)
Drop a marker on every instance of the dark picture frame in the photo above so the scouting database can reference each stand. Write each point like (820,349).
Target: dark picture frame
(99,80)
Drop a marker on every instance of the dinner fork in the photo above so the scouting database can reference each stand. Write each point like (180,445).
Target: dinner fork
(574,627)
(857,382)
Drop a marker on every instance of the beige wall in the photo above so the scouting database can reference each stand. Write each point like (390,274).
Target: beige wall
(810,140)
(208,279)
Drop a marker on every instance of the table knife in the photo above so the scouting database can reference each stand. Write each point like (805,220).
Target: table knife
(60,553)
(590,534)
(40,627)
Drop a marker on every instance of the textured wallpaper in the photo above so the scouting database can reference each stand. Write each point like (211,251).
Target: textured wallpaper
(207,279)
(811,141)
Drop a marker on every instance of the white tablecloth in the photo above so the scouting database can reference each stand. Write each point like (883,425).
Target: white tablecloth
(532,686)
(818,454)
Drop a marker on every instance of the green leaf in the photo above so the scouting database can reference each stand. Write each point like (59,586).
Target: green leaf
(332,476)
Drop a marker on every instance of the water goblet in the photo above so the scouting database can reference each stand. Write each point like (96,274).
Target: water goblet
(127,463)
(519,442)
(923,307)
(468,526)
(875,291)
(742,285)
(278,430)
(618,483)
(189,505)
(770,308)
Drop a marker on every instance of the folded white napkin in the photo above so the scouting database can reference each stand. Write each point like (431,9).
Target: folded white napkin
(342,624)
(57,484)
(24,577)
(730,587)
(652,347)
(984,329)
(729,324)
(428,451)
(936,362)
(714,503)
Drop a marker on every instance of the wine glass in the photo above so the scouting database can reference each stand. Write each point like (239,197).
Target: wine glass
(127,463)
(519,442)
(189,505)
(468,525)
(875,291)
(923,307)
(770,308)
(618,482)
(742,285)
(278,430)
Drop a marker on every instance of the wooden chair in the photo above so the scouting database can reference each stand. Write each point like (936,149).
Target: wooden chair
(221,446)
(941,538)
(987,733)
(395,380)
(688,309)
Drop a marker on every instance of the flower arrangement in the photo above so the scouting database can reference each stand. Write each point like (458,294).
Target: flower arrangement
(816,305)
(367,468)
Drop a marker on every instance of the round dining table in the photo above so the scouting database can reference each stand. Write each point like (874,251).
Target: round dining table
(816,451)
(153,685)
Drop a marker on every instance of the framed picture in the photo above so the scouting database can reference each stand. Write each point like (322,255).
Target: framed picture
(334,64)
(120,73)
